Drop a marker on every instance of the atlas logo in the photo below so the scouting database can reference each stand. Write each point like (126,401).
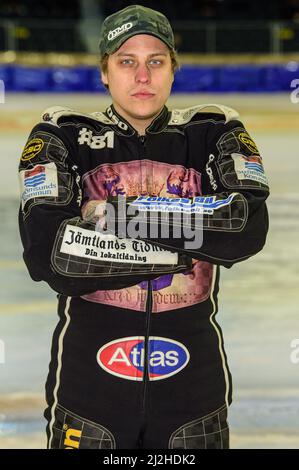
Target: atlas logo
(125,357)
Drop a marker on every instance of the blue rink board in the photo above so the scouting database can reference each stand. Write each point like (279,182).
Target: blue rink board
(190,78)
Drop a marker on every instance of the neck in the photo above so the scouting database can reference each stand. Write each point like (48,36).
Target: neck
(139,124)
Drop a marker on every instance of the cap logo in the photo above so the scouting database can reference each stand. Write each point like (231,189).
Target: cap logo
(120,30)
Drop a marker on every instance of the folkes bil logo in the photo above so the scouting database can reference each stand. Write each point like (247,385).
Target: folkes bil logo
(125,357)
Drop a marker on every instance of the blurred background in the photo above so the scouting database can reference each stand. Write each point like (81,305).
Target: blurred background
(242,53)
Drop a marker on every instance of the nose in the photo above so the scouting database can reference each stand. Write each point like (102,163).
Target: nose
(142,74)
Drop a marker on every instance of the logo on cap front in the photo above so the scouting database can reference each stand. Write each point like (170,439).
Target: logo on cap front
(120,30)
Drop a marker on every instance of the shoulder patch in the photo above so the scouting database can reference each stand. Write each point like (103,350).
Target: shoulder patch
(54,113)
(182,116)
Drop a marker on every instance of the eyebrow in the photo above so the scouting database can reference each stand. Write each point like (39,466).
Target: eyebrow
(134,55)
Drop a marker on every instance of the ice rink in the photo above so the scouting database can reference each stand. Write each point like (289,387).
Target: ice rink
(258,302)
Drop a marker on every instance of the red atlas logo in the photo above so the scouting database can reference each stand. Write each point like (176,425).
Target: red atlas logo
(125,357)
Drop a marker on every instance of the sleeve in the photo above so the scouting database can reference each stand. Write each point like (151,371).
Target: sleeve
(225,225)
(62,248)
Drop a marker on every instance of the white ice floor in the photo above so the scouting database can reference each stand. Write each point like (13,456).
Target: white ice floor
(259,308)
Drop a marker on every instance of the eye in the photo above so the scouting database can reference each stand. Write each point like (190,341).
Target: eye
(156,61)
(127,61)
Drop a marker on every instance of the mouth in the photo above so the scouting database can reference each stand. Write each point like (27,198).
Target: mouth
(143,95)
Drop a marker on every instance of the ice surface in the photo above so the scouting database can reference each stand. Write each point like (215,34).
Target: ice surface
(258,303)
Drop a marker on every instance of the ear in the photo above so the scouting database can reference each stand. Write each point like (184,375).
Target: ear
(104,78)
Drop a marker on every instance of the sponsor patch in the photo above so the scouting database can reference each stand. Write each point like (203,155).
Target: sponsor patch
(210,173)
(120,30)
(199,204)
(125,357)
(32,148)
(46,117)
(72,437)
(249,168)
(116,120)
(96,141)
(85,243)
(40,181)
(248,142)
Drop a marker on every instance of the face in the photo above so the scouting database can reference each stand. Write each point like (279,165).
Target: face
(139,76)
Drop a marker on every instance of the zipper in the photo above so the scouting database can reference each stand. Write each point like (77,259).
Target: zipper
(141,139)
(149,302)
(145,378)
(142,156)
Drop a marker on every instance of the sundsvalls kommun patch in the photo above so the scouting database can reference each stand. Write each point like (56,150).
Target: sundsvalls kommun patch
(39,182)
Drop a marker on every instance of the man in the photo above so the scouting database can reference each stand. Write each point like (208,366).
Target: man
(137,357)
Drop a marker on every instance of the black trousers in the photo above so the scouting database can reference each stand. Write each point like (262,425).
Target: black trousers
(99,397)
(75,432)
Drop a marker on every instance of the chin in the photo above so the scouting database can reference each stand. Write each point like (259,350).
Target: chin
(146,110)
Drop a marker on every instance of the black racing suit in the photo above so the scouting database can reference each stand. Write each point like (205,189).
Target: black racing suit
(137,357)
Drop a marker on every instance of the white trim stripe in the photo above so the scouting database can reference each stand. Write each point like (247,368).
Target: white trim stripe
(220,341)
(59,367)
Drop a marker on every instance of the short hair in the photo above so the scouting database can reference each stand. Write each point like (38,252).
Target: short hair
(173,56)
